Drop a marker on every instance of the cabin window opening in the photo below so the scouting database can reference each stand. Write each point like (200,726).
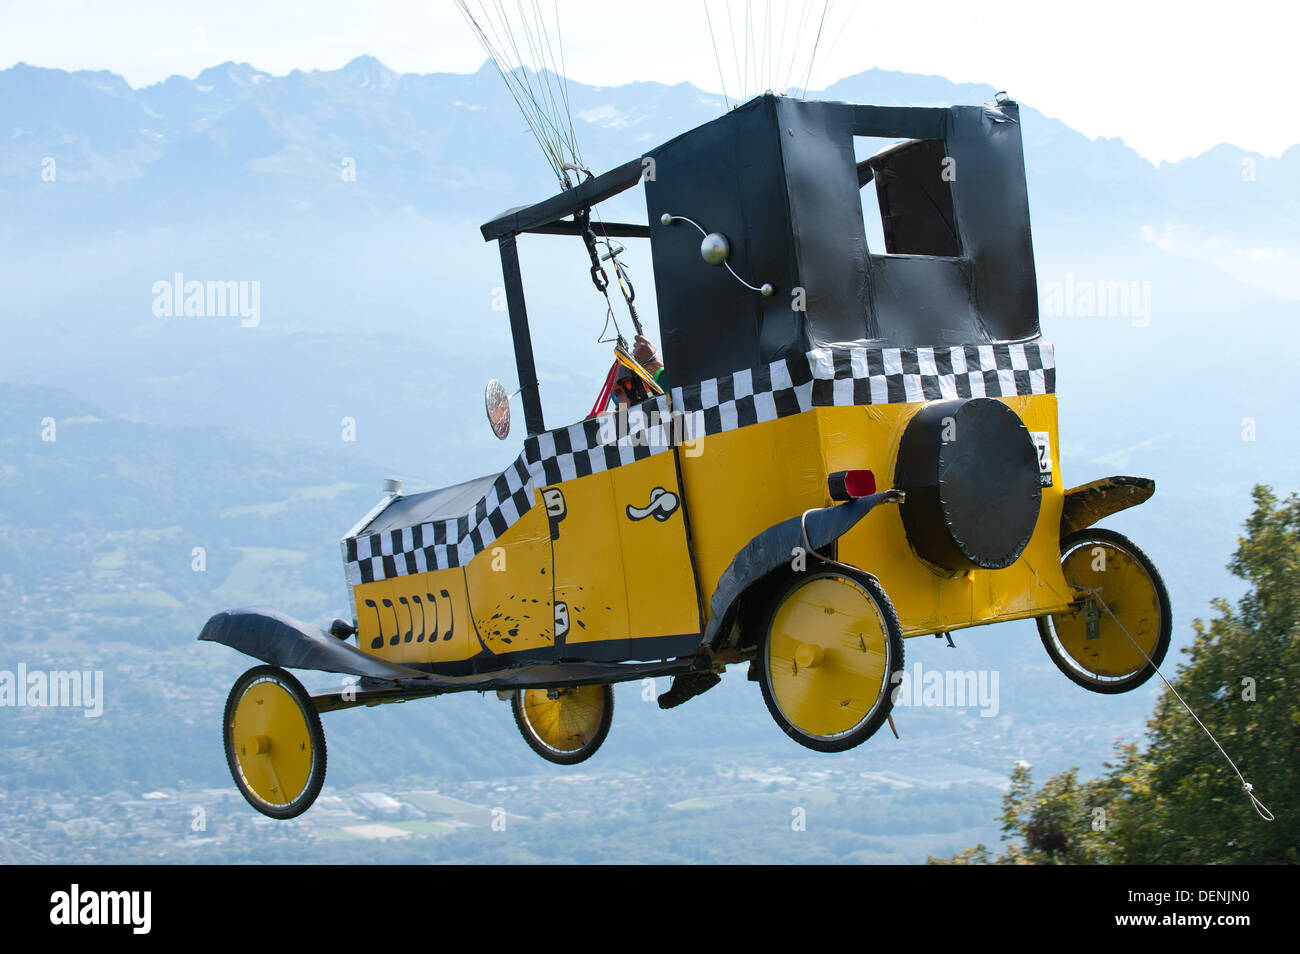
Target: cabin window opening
(907,203)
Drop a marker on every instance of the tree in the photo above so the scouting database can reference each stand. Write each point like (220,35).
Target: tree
(1177,801)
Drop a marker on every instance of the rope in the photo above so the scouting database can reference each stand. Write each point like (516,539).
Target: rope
(762,59)
(1260,808)
(808,547)
(844,26)
(716,58)
(891,496)
(816,43)
(528,78)
(798,42)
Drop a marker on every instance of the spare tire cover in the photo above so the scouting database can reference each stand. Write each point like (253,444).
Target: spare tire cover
(970,471)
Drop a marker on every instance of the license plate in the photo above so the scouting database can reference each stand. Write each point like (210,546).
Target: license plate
(1043,444)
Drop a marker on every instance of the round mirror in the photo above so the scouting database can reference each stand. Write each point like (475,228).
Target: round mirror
(497,402)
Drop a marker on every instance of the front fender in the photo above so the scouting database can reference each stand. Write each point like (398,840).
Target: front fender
(775,546)
(281,640)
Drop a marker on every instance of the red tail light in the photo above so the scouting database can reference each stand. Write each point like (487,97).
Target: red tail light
(848,484)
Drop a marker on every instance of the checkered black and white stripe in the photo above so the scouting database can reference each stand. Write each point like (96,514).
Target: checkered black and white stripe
(600,444)
(905,375)
(848,375)
(441,544)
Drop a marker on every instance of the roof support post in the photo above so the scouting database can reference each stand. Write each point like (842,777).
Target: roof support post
(529,391)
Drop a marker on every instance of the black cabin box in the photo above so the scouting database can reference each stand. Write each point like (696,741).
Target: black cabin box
(778,177)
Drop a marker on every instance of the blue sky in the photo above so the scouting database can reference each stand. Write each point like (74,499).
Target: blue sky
(1171,79)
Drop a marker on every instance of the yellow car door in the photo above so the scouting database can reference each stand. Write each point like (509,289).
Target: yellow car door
(624,586)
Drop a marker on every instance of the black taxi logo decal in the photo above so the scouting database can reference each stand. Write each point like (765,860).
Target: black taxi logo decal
(663,504)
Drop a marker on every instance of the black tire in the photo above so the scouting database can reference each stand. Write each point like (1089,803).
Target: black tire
(558,756)
(316,777)
(1065,663)
(894,644)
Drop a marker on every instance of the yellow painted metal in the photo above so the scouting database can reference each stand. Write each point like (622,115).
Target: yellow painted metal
(433,607)
(660,582)
(620,578)
(834,622)
(563,720)
(740,482)
(591,580)
(808,656)
(272,743)
(1124,586)
(616,578)
(510,587)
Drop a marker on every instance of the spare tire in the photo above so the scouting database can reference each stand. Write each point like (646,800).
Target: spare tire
(970,471)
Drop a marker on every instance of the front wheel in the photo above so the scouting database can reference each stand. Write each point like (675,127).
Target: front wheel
(274,742)
(827,661)
(565,726)
(1086,642)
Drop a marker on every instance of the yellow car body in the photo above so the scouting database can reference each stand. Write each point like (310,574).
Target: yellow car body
(621,563)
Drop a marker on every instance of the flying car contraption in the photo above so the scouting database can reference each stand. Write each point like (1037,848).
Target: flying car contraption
(848,447)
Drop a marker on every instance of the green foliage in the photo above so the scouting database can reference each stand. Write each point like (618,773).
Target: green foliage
(1178,801)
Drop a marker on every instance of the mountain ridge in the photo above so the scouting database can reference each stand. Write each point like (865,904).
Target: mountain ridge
(243,76)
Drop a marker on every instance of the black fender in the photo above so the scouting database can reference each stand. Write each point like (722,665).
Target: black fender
(281,640)
(774,548)
(1086,504)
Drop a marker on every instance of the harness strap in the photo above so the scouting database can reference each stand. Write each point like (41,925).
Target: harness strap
(602,402)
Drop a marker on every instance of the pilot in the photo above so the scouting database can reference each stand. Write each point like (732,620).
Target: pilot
(646,355)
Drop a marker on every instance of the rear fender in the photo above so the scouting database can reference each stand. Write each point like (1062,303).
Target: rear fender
(777,546)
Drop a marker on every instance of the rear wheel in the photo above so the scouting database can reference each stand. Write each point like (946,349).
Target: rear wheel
(1085,641)
(828,657)
(275,746)
(565,726)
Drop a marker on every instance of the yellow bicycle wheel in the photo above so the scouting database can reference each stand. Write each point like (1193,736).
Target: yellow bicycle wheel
(832,645)
(274,742)
(1089,644)
(565,726)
